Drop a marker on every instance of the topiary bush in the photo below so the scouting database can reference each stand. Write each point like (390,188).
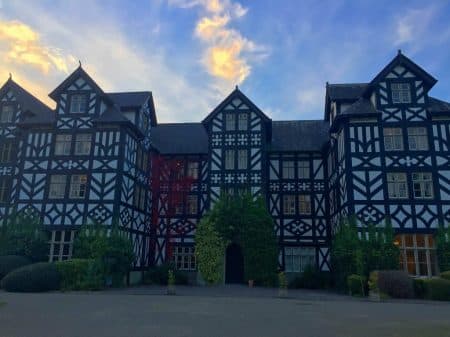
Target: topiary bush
(356,285)
(395,283)
(419,285)
(446,275)
(9,263)
(437,289)
(80,274)
(36,277)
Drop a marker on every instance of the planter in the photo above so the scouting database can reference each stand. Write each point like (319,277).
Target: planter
(374,296)
(251,283)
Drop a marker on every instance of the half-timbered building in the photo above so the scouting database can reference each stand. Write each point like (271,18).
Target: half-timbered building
(380,152)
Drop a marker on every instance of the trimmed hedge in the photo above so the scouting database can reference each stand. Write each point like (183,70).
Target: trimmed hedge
(437,289)
(159,275)
(81,274)
(36,277)
(395,283)
(420,287)
(446,275)
(356,285)
(311,278)
(9,263)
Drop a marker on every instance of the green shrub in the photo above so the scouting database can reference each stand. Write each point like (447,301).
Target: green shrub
(36,277)
(311,278)
(159,275)
(437,289)
(9,263)
(356,285)
(445,275)
(372,283)
(419,287)
(282,281)
(442,238)
(80,274)
(395,283)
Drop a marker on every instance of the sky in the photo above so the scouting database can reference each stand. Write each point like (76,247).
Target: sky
(192,53)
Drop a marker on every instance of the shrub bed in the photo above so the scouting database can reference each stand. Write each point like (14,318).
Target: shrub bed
(395,283)
(311,278)
(357,285)
(446,275)
(437,289)
(9,263)
(419,287)
(159,275)
(36,277)
(81,274)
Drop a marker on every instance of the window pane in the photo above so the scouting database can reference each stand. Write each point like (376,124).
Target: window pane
(78,103)
(83,144)
(242,122)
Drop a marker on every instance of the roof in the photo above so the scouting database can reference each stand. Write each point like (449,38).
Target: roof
(35,112)
(362,106)
(309,135)
(437,105)
(180,138)
(112,114)
(346,91)
(129,99)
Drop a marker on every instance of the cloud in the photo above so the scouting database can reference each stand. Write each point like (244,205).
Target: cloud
(227,54)
(412,25)
(20,44)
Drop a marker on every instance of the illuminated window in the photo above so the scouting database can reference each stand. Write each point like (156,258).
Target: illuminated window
(304,204)
(401,93)
(78,184)
(296,259)
(184,258)
(397,185)
(417,254)
(393,139)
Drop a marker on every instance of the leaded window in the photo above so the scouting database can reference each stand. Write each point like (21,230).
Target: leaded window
(397,185)
(288,169)
(192,170)
(192,204)
(83,144)
(242,159)
(63,145)
(229,159)
(61,245)
(289,204)
(184,258)
(57,188)
(422,185)
(6,151)
(401,93)
(303,169)
(4,190)
(7,113)
(393,139)
(418,139)
(296,259)
(78,185)
(230,121)
(78,103)
(304,204)
(417,254)
(242,121)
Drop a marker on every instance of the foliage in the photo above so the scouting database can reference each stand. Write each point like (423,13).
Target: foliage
(443,247)
(356,285)
(9,263)
(437,289)
(373,281)
(395,283)
(282,281)
(170,278)
(110,247)
(419,286)
(373,249)
(209,251)
(159,275)
(22,235)
(36,277)
(80,274)
(446,275)
(311,278)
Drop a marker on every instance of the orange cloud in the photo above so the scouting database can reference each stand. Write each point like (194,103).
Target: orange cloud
(20,44)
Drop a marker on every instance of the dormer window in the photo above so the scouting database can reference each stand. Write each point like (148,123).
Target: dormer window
(230,122)
(78,104)
(401,93)
(6,114)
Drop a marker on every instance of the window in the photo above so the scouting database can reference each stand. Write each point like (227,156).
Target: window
(242,159)
(7,114)
(57,188)
(61,245)
(242,121)
(78,184)
(83,144)
(179,170)
(417,254)
(63,145)
(6,151)
(296,259)
(304,204)
(4,190)
(192,170)
(78,103)
(191,204)
(289,204)
(229,122)
(393,139)
(418,139)
(139,197)
(422,185)
(142,198)
(303,169)
(288,170)
(397,185)
(184,258)
(401,93)
(178,207)
(229,159)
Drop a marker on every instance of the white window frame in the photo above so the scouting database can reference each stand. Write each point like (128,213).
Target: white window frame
(83,143)
(393,139)
(242,159)
(397,185)
(59,242)
(296,259)
(304,204)
(413,249)
(243,121)
(230,159)
(78,186)
(401,93)
(422,185)
(289,204)
(78,103)
(7,113)
(288,169)
(303,169)
(418,138)
(57,186)
(63,144)
(230,121)
(183,258)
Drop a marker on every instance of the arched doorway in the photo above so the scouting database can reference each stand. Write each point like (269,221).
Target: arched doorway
(234,264)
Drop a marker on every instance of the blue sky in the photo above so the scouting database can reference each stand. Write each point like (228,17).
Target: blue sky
(191,53)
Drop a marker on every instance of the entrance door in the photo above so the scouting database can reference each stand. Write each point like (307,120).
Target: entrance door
(234,264)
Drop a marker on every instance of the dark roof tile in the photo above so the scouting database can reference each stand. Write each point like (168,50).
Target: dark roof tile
(347,91)
(180,138)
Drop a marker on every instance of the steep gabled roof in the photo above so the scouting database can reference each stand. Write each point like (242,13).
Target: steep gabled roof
(236,93)
(179,138)
(437,105)
(34,111)
(133,100)
(112,114)
(309,135)
(346,91)
(362,106)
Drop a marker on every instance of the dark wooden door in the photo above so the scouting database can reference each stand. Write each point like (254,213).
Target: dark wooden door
(234,267)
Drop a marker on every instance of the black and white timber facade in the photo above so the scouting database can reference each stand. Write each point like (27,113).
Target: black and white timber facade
(382,151)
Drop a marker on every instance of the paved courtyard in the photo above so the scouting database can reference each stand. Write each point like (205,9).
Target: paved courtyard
(219,311)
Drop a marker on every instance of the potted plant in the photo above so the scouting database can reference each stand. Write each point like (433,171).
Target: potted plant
(374,292)
(282,285)
(170,283)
